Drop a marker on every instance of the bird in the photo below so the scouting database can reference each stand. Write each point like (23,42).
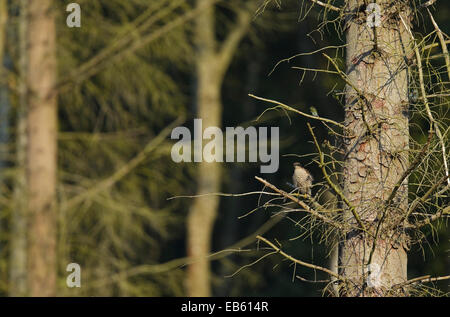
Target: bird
(302,179)
(427,4)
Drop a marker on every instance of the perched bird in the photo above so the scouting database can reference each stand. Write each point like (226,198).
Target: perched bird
(427,4)
(302,179)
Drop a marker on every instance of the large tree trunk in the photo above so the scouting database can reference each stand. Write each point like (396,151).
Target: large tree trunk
(376,115)
(41,149)
(18,253)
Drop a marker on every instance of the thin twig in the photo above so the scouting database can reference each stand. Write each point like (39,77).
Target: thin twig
(422,279)
(234,37)
(442,42)
(428,3)
(297,111)
(124,170)
(311,281)
(85,73)
(305,54)
(410,169)
(425,99)
(181,262)
(335,188)
(326,5)
(223,195)
(301,203)
(297,261)
(418,225)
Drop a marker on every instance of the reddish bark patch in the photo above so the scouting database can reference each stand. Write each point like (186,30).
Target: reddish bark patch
(377,103)
(362,146)
(355,60)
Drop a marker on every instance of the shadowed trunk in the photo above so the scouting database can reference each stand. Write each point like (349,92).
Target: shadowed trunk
(18,257)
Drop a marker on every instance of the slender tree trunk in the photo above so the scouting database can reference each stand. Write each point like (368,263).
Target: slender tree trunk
(18,256)
(3,20)
(212,63)
(41,165)
(204,209)
(376,115)
(4,100)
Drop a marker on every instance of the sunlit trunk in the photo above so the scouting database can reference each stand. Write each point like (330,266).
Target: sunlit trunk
(376,115)
(41,155)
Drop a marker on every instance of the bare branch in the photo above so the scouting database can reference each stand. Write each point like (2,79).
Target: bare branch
(235,36)
(301,203)
(422,279)
(425,99)
(428,3)
(445,211)
(335,188)
(442,42)
(124,170)
(327,5)
(223,195)
(299,112)
(83,73)
(181,262)
(433,45)
(309,265)
(410,169)
(305,54)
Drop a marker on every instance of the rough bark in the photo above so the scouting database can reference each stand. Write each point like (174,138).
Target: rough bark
(41,164)
(376,115)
